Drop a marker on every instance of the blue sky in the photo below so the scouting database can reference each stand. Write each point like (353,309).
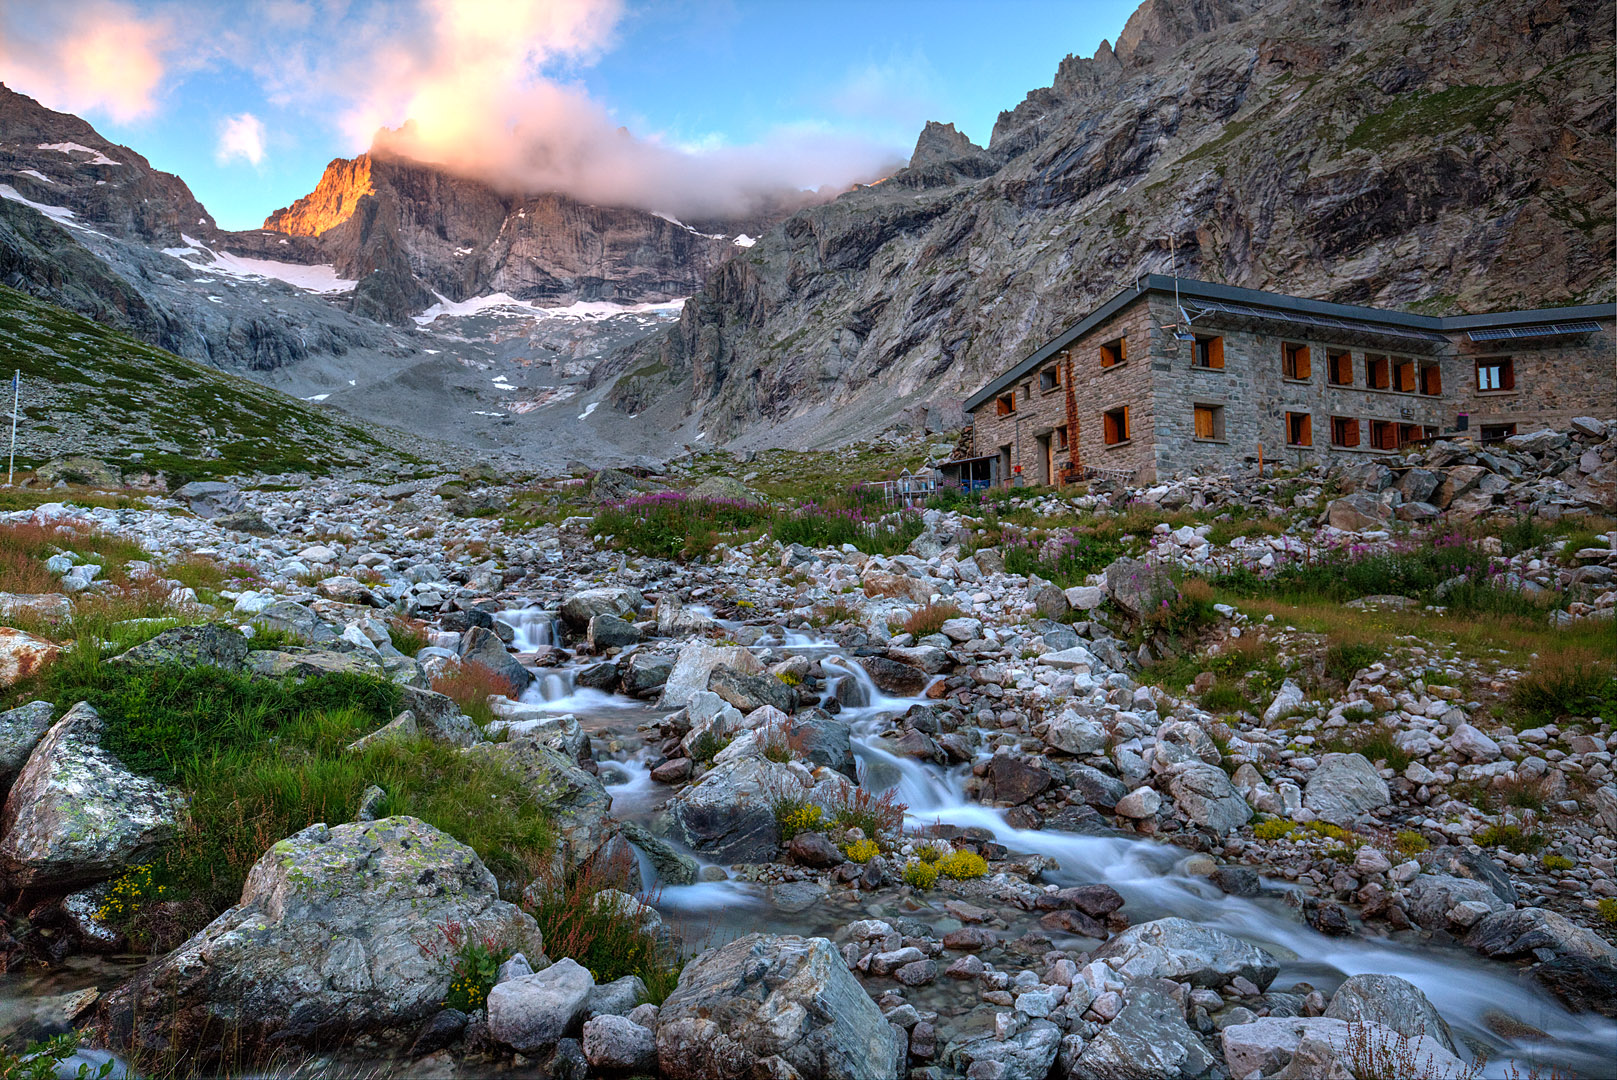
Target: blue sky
(248,102)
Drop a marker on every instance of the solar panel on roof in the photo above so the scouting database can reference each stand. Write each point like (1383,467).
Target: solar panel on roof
(1504,333)
(1306,319)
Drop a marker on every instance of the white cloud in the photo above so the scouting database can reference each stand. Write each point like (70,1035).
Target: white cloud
(240,136)
(87,55)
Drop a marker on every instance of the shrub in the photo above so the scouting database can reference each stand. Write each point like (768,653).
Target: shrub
(1273,829)
(794,816)
(1607,910)
(921,874)
(929,619)
(610,939)
(1376,1052)
(929,852)
(874,815)
(774,744)
(1189,609)
(706,746)
(1568,683)
(41,1060)
(1225,698)
(1344,660)
(409,636)
(474,963)
(1349,840)
(1410,842)
(672,525)
(470,685)
(861,851)
(1376,743)
(1557,862)
(129,894)
(1511,838)
(961,865)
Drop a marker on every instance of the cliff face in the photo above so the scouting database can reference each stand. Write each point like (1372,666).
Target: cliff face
(410,233)
(1441,156)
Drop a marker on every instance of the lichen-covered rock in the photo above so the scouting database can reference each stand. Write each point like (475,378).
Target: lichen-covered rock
(336,935)
(20,731)
(580,607)
(22,655)
(1205,796)
(694,667)
(208,645)
(580,804)
(1184,951)
(729,813)
(1148,1040)
(297,620)
(763,1001)
(75,814)
(1390,1001)
(534,1012)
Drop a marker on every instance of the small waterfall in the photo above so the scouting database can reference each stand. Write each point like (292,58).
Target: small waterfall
(553,684)
(533,628)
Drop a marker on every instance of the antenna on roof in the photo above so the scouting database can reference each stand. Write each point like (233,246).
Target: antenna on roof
(1181,332)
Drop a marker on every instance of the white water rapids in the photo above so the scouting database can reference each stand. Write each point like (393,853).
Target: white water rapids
(1464,987)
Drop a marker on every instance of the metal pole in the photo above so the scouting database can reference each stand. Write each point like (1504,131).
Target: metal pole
(16,396)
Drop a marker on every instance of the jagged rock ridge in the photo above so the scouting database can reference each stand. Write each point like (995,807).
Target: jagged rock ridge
(1440,156)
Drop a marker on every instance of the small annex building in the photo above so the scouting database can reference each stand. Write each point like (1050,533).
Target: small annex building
(1176,377)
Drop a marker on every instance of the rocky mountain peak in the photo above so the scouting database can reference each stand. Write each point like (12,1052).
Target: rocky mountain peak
(941,143)
(331,203)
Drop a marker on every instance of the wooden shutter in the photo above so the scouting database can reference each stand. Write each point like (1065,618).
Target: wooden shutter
(1204,422)
(1215,353)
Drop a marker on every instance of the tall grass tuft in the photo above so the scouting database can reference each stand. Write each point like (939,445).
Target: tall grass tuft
(470,685)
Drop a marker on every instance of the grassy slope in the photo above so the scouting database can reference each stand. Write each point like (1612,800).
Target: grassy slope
(90,389)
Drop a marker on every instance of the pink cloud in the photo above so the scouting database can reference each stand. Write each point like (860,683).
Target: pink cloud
(92,55)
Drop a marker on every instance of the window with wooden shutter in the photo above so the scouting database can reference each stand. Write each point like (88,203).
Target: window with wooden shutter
(1344,431)
(1339,368)
(1403,372)
(1377,372)
(1383,434)
(1294,363)
(1005,404)
(1114,352)
(1209,421)
(1115,424)
(1299,429)
(1208,353)
(1431,379)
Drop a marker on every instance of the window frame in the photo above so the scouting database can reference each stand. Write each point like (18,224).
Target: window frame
(1332,360)
(1005,404)
(1380,430)
(1377,364)
(1215,413)
(1405,366)
(1307,438)
(1114,353)
(1115,422)
(1053,375)
(1296,361)
(1214,346)
(1434,370)
(1345,432)
(1506,377)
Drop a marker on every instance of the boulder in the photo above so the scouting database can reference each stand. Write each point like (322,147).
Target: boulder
(752,692)
(50,606)
(333,938)
(579,803)
(482,646)
(1075,734)
(1011,780)
(210,498)
(1137,586)
(1147,1040)
(208,645)
(1358,512)
(1184,951)
(610,632)
(1139,804)
(1582,984)
(23,655)
(1430,898)
(77,469)
(578,608)
(297,620)
(301,663)
(244,521)
(616,1044)
(646,673)
(728,814)
(1025,1055)
(1266,1045)
(1343,787)
(1205,796)
(894,678)
(20,731)
(1286,701)
(534,1012)
(819,738)
(76,815)
(439,717)
(694,666)
(673,867)
(768,1005)
(1392,1002)
(726,488)
(1520,932)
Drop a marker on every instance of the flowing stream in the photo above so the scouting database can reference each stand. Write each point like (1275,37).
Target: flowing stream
(1465,988)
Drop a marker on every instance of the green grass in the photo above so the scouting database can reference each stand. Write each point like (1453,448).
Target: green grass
(74,366)
(672,525)
(849,521)
(1375,742)
(1569,682)
(609,941)
(1346,659)
(1457,110)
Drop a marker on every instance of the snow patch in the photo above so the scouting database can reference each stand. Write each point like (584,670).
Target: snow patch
(591,407)
(96,158)
(317,397)
(506,304)
(36,174)
(744,241)
(320,278)
(60,214)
